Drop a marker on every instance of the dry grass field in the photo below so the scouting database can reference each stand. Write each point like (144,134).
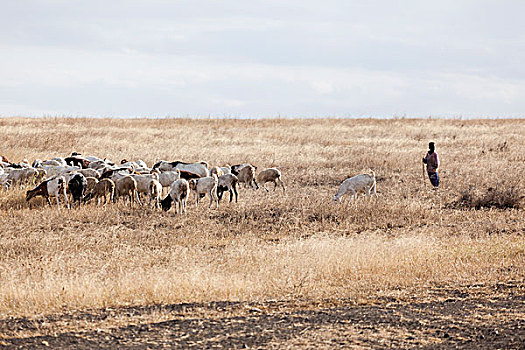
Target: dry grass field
(86,277)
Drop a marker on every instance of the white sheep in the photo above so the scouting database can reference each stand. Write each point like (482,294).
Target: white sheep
(205,185)
(166,178)
(23,176)
(270,175)
(217,171)
(89,172)
(358,183)
(51,187)
(155,192)
(179,193)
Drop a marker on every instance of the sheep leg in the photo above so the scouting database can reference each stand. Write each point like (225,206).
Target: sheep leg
(231,195)
(282,184)
(235,191)
(65,198)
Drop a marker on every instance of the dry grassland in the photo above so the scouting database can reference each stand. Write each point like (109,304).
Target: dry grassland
(269,246)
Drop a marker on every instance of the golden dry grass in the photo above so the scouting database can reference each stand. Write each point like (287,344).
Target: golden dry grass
(269,245)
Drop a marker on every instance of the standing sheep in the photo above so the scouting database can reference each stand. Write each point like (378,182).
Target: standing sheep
(227,182)
(205,185)
(358,183)
(247,176)
(270,175)
(127,186)
(104,188)
(179,193)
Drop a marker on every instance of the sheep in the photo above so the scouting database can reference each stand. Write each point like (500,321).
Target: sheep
(143,170)
(58,170)
(205,185)
(89,172)
(77,185)
(235,169)
(42,173)
(77,161)
(200,168)
(61,161)
(115,174)
(97,164)
(23,176)
(358,183)
(143,182)
(91,182)
(53,186)
(51,162)
(141,163)
(247,176)
(227,182)
(166,178)
(126,186)
(217,171)
(155,192)
(179,193)
(103,188)
(270,175)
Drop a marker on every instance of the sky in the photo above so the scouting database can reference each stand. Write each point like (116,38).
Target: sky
(293,58)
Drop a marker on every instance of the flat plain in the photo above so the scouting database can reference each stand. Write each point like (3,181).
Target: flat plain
(413,268)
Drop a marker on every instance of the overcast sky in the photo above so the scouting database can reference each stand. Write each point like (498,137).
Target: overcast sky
(228,58)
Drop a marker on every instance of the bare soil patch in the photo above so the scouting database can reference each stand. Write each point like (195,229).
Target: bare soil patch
(476,316)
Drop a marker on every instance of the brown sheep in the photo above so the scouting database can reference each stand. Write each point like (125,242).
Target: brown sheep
(247,176)
(127,186)
(103,188)
(270,175)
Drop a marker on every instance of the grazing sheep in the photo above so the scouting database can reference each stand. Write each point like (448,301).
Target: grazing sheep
(217,171)
(103,188)
(89,172)
(115,174)
(200,168)
(91,182)
(127,186)
(270,175)
(179,193)
(227,182)
(51,187)
(358,183)
(80,162)
(23,176)
(166,178)
(247,176)
(50,162)
(61,161)
(235,169)
(155,192)
(77,185)
(143,182)
(205,185)
(58,170)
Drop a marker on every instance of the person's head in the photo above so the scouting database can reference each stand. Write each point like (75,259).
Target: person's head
(431,147)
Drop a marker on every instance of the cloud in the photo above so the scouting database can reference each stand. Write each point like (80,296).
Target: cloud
(263,57)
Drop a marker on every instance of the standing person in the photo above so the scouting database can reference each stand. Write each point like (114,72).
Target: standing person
(432,162)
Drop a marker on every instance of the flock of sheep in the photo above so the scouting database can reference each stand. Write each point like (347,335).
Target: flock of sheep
(93,178)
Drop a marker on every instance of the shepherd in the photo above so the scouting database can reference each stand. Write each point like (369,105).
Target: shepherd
(432,162)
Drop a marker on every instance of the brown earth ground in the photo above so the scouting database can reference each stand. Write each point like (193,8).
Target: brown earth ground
(478,316)
(414,268)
